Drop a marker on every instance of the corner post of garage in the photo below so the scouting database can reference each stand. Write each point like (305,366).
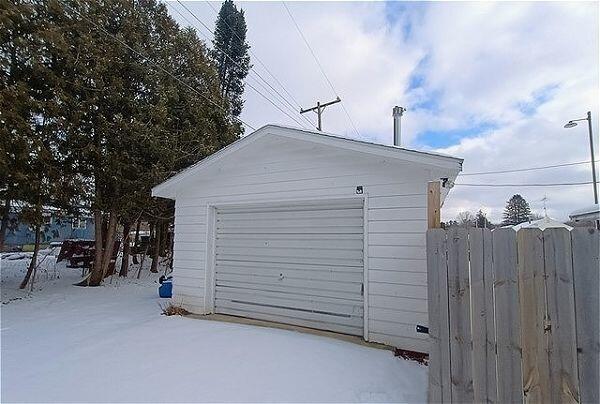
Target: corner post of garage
(433,205)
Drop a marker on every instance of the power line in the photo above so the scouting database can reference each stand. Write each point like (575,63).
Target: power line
(518,170)
(298,105)
(558,184)
(237,64)
(147,59)
(320,66)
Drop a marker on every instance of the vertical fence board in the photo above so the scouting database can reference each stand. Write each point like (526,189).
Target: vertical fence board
(564,382)
(437,284)
(508,329)
(460,316)
(536,382)
(533,335)
(586,243)
(482,316)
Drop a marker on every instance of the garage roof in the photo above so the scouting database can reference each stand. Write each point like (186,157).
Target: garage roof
(401,153)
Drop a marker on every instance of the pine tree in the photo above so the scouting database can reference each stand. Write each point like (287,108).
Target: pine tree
(133,124)
(230,53)
(87,121)
(32,109)
(17,26)
(481,221)
(516,211)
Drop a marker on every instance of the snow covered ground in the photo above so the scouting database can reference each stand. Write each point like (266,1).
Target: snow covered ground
(62,343)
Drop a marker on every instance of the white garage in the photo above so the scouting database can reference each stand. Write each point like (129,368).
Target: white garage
(310,229)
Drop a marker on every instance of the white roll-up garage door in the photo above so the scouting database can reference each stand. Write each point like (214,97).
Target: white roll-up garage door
(299,264)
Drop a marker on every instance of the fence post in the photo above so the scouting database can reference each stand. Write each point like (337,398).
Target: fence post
(433,205)
(482,316)
(536,377)
(508,330)
(562,359)
(460,316)
(586,243)
(437,288)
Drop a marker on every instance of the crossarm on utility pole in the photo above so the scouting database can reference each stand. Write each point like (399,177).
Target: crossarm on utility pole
(319,108)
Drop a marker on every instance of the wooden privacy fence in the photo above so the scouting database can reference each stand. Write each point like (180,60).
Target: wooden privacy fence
(513,316)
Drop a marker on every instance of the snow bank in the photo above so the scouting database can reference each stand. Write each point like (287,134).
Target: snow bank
(110,344)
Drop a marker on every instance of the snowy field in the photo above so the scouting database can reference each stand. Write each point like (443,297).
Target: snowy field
(62,343)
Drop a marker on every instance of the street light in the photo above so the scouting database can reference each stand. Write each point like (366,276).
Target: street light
(572,124)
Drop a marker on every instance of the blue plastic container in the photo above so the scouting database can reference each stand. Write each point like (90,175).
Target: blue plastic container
(166,289)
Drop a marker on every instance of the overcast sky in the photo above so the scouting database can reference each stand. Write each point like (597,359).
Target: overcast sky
(493,83)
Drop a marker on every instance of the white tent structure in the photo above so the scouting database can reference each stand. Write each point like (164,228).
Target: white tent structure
(544,223)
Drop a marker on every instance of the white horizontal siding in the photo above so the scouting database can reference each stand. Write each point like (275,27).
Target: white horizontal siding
(291,171)
(189,256)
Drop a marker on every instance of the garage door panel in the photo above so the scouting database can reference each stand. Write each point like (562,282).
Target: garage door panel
(224,223)
(331,230)
(330,326)
(298,264)
(353,320)
(291,290)
(289,260)
(342,312)
(278,242)
(260,295)
(287,266)
(286,282)
(240,273)
(328,253)
(291,236)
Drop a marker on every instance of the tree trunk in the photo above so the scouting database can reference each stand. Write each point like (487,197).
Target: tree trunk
(103,256)
(98,242)
(33,263)
(136,240)
(156,251)
(126,250)
(5,218)
(111,232)
(142,262)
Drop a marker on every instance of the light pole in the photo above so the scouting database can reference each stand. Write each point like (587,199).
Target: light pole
(572,124)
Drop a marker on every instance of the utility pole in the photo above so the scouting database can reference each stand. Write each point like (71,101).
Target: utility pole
(319,108)
(572,123)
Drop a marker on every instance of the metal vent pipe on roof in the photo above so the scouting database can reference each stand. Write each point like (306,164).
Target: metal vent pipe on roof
(397,114)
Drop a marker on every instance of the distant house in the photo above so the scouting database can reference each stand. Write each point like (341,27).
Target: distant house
(55,228)
(587,214)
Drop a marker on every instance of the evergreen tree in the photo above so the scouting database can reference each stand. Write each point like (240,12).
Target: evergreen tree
(516,211)
(230,54)
(481,221)
(133,124)
(32,102)
(18,25)
(88,121)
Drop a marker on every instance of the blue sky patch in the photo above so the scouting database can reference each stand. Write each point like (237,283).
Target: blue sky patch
(417,76)
(443,138)
(395,9)
(538,98)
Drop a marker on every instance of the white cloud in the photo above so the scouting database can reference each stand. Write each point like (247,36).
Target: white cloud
(516,71)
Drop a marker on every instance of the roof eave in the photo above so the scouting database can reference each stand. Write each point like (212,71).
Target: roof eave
(167,189)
